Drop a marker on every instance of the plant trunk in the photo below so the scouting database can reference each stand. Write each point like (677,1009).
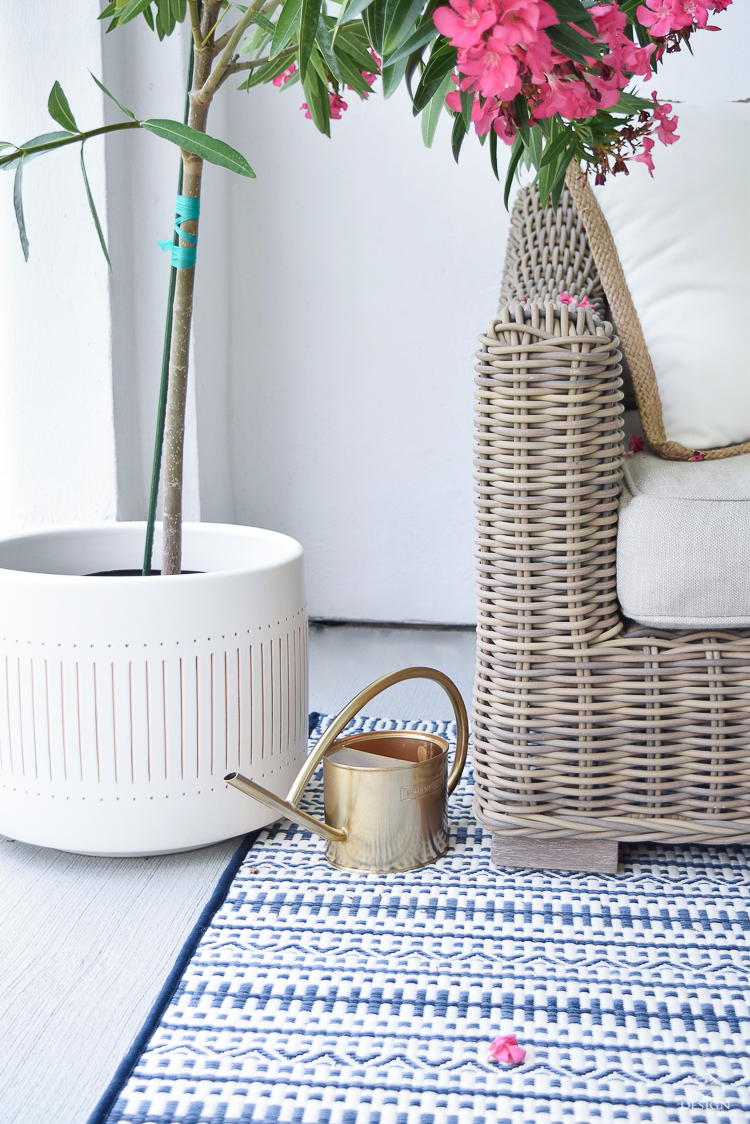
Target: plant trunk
(174,433)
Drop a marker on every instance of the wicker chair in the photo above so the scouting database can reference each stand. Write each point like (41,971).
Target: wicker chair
(588,729)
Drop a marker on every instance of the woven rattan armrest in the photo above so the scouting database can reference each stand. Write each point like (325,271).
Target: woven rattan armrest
(587,729)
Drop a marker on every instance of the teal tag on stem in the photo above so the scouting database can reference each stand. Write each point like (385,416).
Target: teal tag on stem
(183,257)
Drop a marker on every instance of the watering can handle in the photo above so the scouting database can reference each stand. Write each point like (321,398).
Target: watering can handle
(353,708)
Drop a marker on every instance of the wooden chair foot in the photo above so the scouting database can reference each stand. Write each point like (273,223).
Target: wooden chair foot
(589,855)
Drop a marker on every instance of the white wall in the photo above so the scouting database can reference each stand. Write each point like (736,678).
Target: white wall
(363,269)
(339,299)
(57,451)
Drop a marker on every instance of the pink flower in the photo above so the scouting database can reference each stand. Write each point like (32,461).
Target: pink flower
(466,23)
(698,12)
(453,99)
(610,21)
(636,444)
(519,21)
(504,1048)
(504,130)
(570,97)
(538,58)
(493,66)
(338,105)
(645,156)
(281,79)
(698,457)
(574,302)
(665,130)
(607,88)
(663,16)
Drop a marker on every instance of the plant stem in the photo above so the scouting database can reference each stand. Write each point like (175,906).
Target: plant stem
(205,92)
(163,387)
(74,138)
(174,436)
(206,80)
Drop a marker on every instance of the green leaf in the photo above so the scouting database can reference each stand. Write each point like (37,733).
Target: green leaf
(467,104)
(558,184)
(351,11)
(316,94)
(521,116)
(458,136)
(373,17)
(420,37)
(571,43)
(352,39)
(59,110)
(316,60)
(516,153)
(442,60)
(179,10)
(392,76)
(265,23)
(493,154)
(308,28)
(433,110)
(268,72)
(132,9)
(148,15)
(286,26)
(573,11)
(165,21)
(108,11)
(199,144)
(552,175)
(558,147)
(323,41)
(629,7)
(349,72)
(43,138)
(630,104)
(92,207)
(103,88)
(18,208)
(398,22)
(534,149)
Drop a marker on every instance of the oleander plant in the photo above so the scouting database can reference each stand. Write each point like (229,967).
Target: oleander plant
(553,79)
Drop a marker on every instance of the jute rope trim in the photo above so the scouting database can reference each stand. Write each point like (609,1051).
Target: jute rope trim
(628,326)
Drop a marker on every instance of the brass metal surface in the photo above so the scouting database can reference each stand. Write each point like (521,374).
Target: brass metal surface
(389,816)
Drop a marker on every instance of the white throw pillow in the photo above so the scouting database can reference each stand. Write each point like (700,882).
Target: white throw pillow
(683,238)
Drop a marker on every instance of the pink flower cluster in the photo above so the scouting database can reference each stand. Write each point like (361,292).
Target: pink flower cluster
(662,17)
(504,50)
(338,105)
(282,79)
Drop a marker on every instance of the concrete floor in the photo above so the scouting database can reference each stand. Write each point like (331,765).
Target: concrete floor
(86,943)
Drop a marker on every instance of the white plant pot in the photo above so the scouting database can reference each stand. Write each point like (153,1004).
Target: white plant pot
(125,700)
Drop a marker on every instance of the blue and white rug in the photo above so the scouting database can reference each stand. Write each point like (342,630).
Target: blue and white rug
(317,996)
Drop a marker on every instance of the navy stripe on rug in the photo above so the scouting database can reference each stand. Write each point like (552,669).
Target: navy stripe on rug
(128,1063)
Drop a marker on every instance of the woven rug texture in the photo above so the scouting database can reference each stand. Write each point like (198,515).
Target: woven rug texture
(318,996)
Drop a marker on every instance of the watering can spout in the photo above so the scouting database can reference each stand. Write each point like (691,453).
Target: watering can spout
(285,808)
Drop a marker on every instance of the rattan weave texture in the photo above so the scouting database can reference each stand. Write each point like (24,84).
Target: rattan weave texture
(585,725)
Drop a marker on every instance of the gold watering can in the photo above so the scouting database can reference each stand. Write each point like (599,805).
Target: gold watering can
(385,793)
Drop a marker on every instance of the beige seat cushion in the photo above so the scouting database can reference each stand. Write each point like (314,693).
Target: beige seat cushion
(683,544)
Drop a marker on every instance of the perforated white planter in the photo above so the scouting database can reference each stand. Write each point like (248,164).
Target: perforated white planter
(124,700)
